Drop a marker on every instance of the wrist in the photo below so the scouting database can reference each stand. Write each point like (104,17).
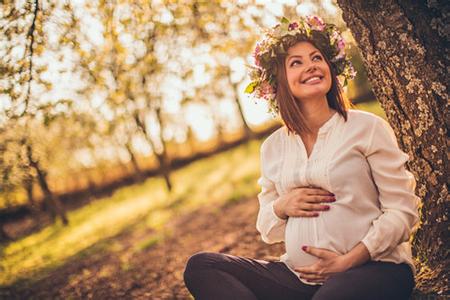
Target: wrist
(278,209)
(357,256)
(346,261)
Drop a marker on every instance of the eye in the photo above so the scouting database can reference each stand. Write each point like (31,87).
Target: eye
(317,57)
(295,62)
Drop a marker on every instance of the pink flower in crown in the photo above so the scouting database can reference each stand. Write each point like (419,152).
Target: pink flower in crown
(265,90)
(341,47)
(341,44)
(256,55)
(335,36)
(315,22)
(293,26)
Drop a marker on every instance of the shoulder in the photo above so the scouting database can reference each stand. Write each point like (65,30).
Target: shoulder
(377,132)
(365,121)
(375,122)
(273,143)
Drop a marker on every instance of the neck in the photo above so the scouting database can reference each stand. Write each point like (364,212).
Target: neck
(316,112)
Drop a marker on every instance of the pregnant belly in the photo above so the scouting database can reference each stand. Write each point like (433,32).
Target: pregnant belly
(328,231)
(300,232)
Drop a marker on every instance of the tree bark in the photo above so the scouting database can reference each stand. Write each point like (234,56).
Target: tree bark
(403,44)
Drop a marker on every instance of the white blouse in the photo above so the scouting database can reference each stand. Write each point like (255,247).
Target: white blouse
(360,162)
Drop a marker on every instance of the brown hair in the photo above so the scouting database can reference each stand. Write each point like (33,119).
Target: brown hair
(289,107)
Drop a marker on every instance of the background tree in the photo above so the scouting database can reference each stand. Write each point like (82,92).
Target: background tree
(405,49)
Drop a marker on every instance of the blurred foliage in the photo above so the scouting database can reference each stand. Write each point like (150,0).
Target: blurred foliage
(94,91)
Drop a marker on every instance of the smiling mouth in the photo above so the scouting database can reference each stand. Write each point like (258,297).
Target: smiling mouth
(313,80)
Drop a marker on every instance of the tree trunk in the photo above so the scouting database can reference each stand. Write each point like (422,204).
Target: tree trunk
(28,182)
(191,139)
(403,44)
(248,132)
(163,157)
(162,161)
(215,115)
(137,170)
(28,186)
(4,237)
(51,201)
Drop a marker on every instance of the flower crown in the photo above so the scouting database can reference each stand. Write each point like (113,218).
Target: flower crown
(279,38)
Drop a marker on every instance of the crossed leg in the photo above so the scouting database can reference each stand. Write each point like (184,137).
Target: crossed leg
(220,276)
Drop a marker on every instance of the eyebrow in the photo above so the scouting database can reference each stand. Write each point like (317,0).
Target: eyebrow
(289,57)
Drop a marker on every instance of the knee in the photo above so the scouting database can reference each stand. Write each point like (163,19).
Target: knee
(198,262)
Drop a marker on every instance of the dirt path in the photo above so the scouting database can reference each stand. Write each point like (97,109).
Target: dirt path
(156,272)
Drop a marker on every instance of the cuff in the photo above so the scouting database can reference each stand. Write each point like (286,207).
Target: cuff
(274,214)
(369,247)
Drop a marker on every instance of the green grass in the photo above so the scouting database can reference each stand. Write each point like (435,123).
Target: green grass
(225,178)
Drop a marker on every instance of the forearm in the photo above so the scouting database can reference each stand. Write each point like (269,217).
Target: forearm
(357,256)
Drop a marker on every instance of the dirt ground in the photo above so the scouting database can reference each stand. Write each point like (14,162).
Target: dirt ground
(157,271)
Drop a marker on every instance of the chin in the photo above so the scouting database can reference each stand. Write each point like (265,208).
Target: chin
(313,95)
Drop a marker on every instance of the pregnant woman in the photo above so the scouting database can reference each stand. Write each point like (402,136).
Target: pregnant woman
(334,185)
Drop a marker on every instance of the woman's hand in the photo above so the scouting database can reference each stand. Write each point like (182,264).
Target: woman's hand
(329,263)
(303,202)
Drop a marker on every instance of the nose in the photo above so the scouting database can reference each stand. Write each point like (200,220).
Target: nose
(311,67)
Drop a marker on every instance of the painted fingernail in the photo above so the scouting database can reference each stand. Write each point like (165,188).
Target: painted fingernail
(326,207)
(316,214)
(304,248)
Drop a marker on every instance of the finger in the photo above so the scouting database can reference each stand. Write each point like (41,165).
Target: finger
(317,252)
(314,207)
(311,276)
(320,199)
(306,269)
(316,281)
(305,214)
(317,191)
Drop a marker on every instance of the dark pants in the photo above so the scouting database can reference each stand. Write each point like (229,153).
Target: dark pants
(216,276)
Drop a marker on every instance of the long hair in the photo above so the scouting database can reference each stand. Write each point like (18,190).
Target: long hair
(289,107)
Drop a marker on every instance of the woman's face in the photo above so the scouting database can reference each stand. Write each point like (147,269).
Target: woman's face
(307,72)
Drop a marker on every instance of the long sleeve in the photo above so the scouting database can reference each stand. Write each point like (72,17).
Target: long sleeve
(398,203)
(271,227)
(268,223)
